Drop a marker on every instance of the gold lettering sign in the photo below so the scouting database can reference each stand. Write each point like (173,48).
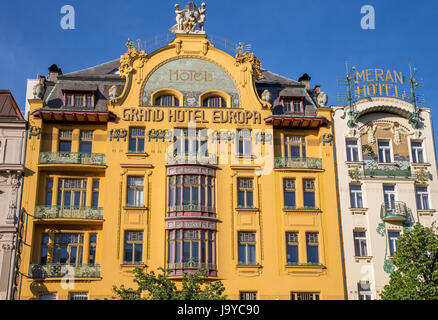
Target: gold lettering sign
(186,115)
(190,75)
(379,83)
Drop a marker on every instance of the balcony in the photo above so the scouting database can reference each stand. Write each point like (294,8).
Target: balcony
(398,169)
(191,207)
(398,212)
(58,270)
(95,159)
(298,163)
(191,158)
(58,212)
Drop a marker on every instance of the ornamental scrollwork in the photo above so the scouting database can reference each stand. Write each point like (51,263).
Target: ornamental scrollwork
(131,60)
(255,63)
(422,175)
(327,138)
(118,134)
(354,174)
(34,132)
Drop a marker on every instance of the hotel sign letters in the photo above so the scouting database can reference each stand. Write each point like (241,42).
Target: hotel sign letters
(190,75)
(379,83)
(186,115)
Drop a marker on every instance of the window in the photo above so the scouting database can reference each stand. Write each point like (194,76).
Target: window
(214,102)
(247,246)
(47,296)
(389,196)
(92,249)
(292,106)
(191,142)
(248,295)
(136,140)
(197,248)
(49,191)
(135,192)
(78,296)
(95,195)
(292,247)
(422,198)
(72,193)
(245,191)
(294,147)
(312,248)
(68,248)
(65,137)
(44,248)
(384,151)
(243,145)
(417,151)
(167,101)
(360,244)
(352,151)
(364,290)
(86,142)
(393,241)
(133,247)
(356,196)
(304,296)
(190,190)
(79,99)
(289,193)
(309,193)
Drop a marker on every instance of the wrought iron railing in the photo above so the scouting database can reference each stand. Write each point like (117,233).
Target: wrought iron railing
(191,265)
(300,163)
(72,158)
(191,207)
(398,169)
(191,158)
(72,212)
(396,211)
(58,270)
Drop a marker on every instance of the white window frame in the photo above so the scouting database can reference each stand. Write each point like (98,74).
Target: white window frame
(348,150)
(355,195)
(422,194)
(359,241)
(384,155)
(394,241)
(416,153)
(76,295)
(364,294)
(390,193)
(248,295)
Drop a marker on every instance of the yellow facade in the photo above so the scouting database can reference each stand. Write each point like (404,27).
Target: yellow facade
(270,277)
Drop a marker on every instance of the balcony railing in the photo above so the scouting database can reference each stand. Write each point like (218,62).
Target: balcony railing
(397,211)
(191,158)
(191,265)
(191,207)
(397,169)
(97,159)
(299,163)
(58,270)
(60,212)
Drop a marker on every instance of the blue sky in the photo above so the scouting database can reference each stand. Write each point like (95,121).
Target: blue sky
(289,37)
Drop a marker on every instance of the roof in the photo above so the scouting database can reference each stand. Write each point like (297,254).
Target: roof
(9,109)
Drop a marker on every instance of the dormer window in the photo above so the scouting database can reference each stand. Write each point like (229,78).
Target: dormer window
(79,99)
(292,105)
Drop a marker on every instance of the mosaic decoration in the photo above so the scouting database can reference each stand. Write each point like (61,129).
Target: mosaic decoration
(118,134)
(192,77)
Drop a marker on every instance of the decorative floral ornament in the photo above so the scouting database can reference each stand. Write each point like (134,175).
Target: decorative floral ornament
(241,58)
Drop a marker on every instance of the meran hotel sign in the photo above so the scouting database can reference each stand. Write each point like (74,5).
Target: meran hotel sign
(153,114)
(380,83)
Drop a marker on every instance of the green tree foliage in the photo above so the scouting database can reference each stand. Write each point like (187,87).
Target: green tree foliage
(160,287)
(416,262)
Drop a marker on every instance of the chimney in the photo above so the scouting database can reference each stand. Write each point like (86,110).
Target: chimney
(305,79)
(54,72)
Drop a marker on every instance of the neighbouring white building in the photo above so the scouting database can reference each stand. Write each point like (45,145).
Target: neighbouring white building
(387,181)
(12,151)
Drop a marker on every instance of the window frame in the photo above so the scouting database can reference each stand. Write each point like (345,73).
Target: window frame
(248,193)
(357,196)
(350,150)
(250,241)
(290,243)
(393,241)
(294,141)
(360,243)
(289,189)
(133,244)
(422,196)
(310,244)
(385,150)
(415,153)
(137,135)
(138,192)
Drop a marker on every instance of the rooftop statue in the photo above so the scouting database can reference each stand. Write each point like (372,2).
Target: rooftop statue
(188,18)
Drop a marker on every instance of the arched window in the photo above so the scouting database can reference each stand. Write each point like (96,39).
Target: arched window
(167,100)
(214,102)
